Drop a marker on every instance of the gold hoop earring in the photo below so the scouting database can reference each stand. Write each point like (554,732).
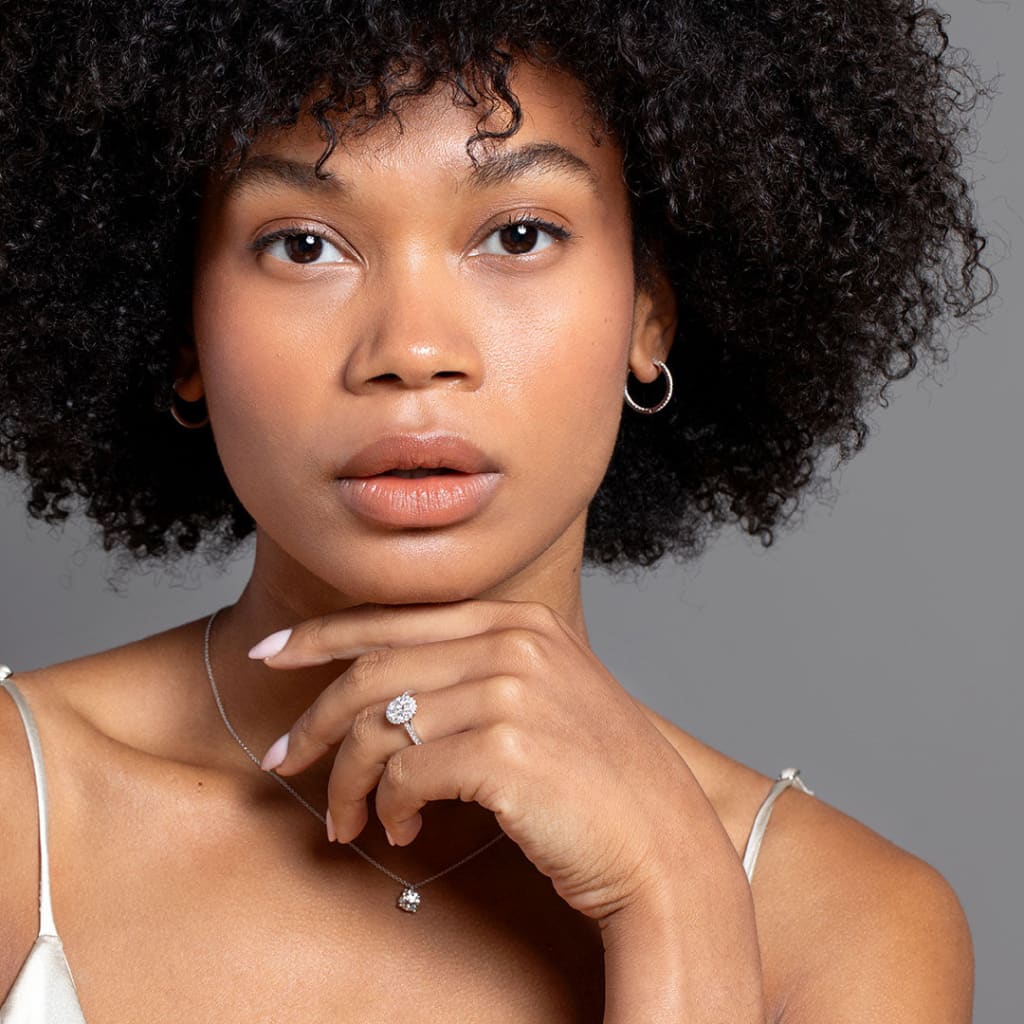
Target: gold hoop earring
(189,424)
(662,368)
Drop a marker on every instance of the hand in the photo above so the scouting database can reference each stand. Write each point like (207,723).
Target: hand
(515,713)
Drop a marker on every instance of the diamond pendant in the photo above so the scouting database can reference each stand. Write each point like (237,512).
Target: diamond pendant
(409,900)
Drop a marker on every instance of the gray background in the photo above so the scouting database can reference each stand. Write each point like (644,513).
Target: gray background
(877,648)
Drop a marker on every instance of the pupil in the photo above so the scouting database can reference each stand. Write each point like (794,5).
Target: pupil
(521,238)
(296,245)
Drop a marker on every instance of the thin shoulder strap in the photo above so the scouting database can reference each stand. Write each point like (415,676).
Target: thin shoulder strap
(46,925)
(786,778)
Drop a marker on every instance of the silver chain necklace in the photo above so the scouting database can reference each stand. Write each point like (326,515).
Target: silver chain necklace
(409,900)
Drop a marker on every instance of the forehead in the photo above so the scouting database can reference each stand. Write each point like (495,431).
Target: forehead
(558,131)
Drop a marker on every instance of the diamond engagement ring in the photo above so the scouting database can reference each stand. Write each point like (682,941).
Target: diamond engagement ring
(400,711)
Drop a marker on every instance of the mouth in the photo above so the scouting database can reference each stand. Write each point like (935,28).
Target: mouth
(419,496)
(411,456)
(415,474)
(418,480)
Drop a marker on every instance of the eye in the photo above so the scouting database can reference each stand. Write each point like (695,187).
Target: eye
(296,245)
(519,236)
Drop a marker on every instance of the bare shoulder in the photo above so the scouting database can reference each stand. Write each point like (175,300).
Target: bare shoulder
(46,693)
(852,927)
(19,852)
(870,931)
(71,703)
(121,694)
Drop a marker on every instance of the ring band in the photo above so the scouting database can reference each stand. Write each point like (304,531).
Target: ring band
(400,711)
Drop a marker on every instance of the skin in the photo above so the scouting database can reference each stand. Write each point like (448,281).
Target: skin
(227,889)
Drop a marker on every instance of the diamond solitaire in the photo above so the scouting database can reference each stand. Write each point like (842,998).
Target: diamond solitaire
(409,901)
(401,709)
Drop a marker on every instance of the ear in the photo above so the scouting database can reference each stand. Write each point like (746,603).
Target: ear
(188,378)
(655,318)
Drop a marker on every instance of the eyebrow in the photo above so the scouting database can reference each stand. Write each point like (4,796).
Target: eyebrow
(266,170)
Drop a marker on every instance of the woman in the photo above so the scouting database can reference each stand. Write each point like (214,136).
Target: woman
(415,273)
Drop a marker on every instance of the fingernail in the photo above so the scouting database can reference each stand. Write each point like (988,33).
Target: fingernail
(276,754)
(388,834)
(331,834)
(271,645)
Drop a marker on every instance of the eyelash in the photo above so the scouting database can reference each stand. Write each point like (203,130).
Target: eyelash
(556,231)
(559,233)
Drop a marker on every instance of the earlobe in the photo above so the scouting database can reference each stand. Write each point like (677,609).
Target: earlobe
(188,387)
(188,378)
(188,383)
(655,322)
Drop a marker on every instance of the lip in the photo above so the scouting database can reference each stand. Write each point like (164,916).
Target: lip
(424,501)
(417,451)
(419,501)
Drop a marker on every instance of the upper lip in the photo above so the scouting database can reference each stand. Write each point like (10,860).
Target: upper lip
(417,451)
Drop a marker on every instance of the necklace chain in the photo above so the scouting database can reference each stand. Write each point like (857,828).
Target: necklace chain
(302,800)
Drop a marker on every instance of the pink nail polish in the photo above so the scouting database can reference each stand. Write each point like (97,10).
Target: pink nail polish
(276,754)
(271,645)
(388,834)
(331,834)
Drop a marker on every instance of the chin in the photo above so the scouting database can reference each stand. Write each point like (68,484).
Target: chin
(405,585)
(425,594)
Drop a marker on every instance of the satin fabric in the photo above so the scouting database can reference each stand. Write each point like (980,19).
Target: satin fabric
(44,991)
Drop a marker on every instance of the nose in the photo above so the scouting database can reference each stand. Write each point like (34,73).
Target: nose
(413,333)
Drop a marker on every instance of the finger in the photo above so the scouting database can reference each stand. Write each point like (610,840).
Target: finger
(487,766)
(373,740)
(354,631)
(382,674)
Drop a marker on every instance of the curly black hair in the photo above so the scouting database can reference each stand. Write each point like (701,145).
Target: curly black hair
(794,168)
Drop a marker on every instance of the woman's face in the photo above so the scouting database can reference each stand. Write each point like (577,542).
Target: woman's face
(396,301)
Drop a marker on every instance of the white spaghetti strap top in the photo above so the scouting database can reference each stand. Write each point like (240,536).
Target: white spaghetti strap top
(786,778)
(44,991)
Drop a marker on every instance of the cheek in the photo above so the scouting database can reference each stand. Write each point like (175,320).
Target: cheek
(591,369)
(567,400)
(239,340)
(253,390)
(251,332)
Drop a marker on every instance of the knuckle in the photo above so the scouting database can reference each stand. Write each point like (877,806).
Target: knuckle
(339,798)
(316,630)
(507,693)
(364,726)
(541,616)
(396,771)
(506,743)
(528,647)
(366,670)
(308,724)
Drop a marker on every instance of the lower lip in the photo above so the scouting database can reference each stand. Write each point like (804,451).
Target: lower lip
(419,501)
